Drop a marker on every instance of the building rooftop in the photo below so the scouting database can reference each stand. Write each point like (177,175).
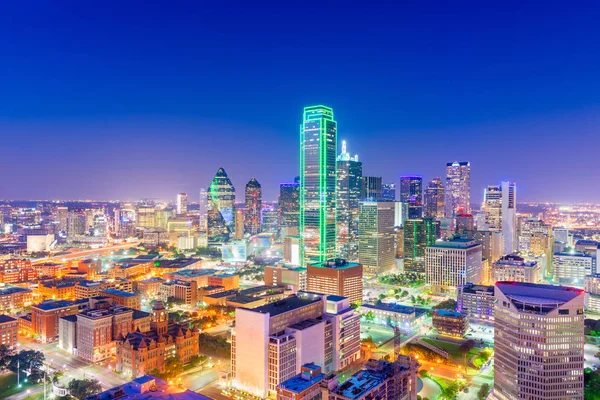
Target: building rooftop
(538,292)
(55,305)
(241,299)
(472,288)
(118,292)
(337,263)
(288,304)
(393,307)
(147,387)
(191,273)
(301,382)
(178,263)
(13,289)
(456,243)
(70,318)
(333,297)
(6,318)
(226,293)
(448,313)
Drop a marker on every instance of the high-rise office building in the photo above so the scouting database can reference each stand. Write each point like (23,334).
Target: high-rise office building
(538,342)
(336,277)
(253,207)
(561,235)
(492,207)
(76,224)
(289,210)
(509,216)
(202,210)
(376,237)
(411,193)
(458,188)
(349,192)
(465,225)
(433,199)
(452,263)
(388,192)
(220,208)
(271,343)
(318,147)
(181,203)
(372,188)
(571,268)
(418,234)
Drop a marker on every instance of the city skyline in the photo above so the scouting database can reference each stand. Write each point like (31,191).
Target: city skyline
(110,124)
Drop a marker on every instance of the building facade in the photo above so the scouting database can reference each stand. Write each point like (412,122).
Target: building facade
(433,199)
(452,263)
(477,301)
(376,237)
(458,188)
(411,193)
(253,207)
(220,208)
(349,192)
(514,268)
(336,277)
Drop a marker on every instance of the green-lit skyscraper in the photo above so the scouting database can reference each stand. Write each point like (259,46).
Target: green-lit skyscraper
(318,146)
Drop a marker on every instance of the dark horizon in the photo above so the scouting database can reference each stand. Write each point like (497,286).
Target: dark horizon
(155,104)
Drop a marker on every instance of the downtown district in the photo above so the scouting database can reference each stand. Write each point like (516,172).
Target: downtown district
(345,288)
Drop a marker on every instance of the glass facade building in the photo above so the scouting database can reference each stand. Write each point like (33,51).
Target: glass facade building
(349,188)
(252,217)
(411,193)
(220,208)
(318,147)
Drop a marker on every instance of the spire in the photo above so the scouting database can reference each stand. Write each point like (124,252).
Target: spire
(343,147)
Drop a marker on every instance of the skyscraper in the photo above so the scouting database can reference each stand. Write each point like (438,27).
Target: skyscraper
(411,193)
(492,207)
(458,188)
(418,234)
(349,189)
(289,210)
(181,203)
(202,210)
(372,188)
(253,207)
(388,192)
(538,342)
(220,208)
(318,146)
(509,216)
(376,237)
(433,206)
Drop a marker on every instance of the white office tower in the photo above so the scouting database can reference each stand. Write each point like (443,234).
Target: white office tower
(181,203)
(509,216)
(270,343)
(453,263)
(538,339)
(202,209)
(561,235)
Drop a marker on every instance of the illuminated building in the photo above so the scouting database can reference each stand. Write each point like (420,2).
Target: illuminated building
(141,352)
(450,323)
(289,208)
(433,199)
(318,146)
(57,289)
(477,301)
(271,343)
(239,225)
(181,203)
(148,287)
(14,298)
(304,386)
(76,224)
(39,243)
(379,379)
(411,193)
(464,224)
(336,277)
(592,296)
(270,220)
(376,237)
(388,192)
(527,227)
(289,276)
(538,342)
(371,188)
(148,387)
(570,268)
(253,207)
(509,216)
(492,206)
(203,210)
(404,317)
(514,268)
(492,244)
(291,250)
(452,263)
(122,298)
(86,289)
(458,188)
(45,317)
(220,208)
(418,234)
(185,292)
(349,193)
(8,331)
(561,235)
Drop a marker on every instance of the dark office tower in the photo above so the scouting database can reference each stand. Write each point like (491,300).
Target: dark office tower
(418,234)
(349,190)
(318,147)
(371,188)
(253,207)
(458,188)
(289,211)
(411,193)
(433,197)
(388,192)
(465,224)
(220,208)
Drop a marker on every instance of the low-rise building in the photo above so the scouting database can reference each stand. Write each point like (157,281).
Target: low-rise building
(57,289)
(404,317)
(14,297)
(185,292)
(147,387)
(514,268)
(572,267)
(122,298)
(477,301)
(381,380)
(9,328)
(304,386)
(46,315)
(148,287)
(86,288)
(282,275)
(450,323)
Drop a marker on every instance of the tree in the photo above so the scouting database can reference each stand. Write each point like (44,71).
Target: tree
(173,367)
(370,316)
(6,355)
(82,388)
(27,360)
(483,391)
(450,392)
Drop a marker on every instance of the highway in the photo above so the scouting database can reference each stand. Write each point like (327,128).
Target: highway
(92,252)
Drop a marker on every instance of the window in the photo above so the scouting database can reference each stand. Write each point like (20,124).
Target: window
(563,312)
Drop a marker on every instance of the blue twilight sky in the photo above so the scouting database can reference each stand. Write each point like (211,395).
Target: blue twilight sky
(126,99)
